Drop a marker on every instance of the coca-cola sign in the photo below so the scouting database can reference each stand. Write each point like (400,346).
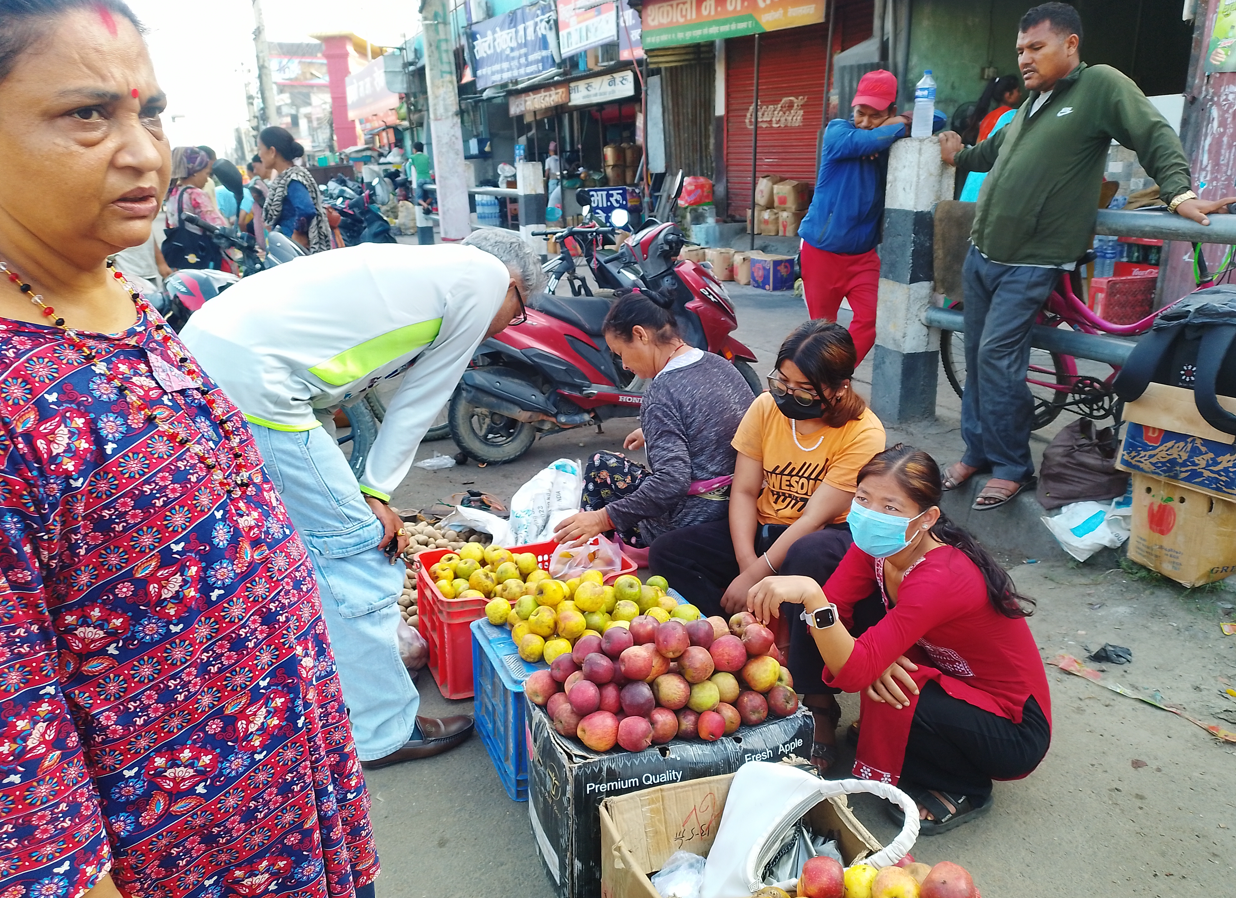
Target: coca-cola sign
(785,113)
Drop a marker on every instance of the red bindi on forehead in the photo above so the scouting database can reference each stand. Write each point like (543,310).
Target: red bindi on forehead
(109,22)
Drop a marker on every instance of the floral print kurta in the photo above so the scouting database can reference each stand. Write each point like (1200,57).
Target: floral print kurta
(169,707)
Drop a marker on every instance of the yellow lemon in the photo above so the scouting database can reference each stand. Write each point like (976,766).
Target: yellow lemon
(685,612)
(554,648)
(527,563)
(466,568)
(537,576)
(497,610)
(447,588)
(519,631)
(508,570)
(660,615)
(625,624)
(590,597)
(858,880)
(532,647)
(611,599)
(483,582)
(572,585)
(459,586)
(550,592)
(543,621)
(571,624)
(624,610)
(442,571)
(472,594)
(472,552)
(627,588)
(657,583)
(596,620)
(592,577)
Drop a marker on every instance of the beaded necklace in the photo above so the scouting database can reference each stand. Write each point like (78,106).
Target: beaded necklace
(158,416)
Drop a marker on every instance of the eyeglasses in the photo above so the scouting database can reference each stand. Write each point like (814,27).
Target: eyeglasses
(523,309)
(778,387)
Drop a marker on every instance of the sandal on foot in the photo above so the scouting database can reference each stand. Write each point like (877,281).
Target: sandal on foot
(942,819)
(998,495)
(953,477)
(822,751)
(851,733)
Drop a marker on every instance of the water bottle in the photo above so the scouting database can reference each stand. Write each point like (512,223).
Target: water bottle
(924,106)
(1105,249)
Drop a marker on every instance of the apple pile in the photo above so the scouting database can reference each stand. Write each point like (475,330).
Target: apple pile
(653,681)
(823,877)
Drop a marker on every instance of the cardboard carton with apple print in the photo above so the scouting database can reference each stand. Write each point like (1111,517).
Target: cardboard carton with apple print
(1183,533)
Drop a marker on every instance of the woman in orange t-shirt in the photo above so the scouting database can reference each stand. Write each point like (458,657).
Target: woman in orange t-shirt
(800,448)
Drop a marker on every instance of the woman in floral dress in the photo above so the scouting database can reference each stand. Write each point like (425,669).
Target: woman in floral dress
(171,723)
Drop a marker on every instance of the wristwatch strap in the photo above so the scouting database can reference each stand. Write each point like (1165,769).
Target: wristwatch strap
(1181,198)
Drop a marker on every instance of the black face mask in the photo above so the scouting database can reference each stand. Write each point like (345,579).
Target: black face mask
(788,406)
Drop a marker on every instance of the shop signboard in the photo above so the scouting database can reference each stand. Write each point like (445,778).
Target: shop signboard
(536,100)
(584,24)
(603,89)
(519,44)
(608,200)
(630,26)
(367,92)
(1221,54)
(669,23)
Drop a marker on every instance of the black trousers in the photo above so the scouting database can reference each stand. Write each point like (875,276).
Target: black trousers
(957,748)
(700,563)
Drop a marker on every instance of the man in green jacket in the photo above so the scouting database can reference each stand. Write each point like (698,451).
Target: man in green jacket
(1035,218)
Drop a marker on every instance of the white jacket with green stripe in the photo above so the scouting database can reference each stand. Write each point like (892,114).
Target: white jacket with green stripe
(292,344)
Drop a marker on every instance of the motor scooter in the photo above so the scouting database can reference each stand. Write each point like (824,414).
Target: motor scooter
(555,372)
(359,221)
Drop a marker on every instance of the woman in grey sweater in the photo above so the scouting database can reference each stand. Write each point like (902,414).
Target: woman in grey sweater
(692,407)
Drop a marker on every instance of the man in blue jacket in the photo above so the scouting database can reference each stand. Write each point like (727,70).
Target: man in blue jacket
(841,230)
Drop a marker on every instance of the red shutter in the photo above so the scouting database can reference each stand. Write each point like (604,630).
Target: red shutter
(791,100)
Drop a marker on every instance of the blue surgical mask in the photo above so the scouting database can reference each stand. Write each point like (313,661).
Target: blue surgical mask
(879,535)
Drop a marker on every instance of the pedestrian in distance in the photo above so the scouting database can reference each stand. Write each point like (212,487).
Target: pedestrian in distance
(1035,218)
(419,167)
(294,203)
(172,721)
(692,406)
(1005,92)
(800,447)
(290,353)
(953,691)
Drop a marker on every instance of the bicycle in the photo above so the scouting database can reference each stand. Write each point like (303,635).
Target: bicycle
(1054,378)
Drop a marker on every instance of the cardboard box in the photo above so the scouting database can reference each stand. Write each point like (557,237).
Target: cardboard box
(722,262)
(1181,532)
(568,783)
(791,196)
(770,223)
(764,190)
(769,272)
(742,268)
(693,253)
(753,215)
(640,831)
(788,223)
(1167,437)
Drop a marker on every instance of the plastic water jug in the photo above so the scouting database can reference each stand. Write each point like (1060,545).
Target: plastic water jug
(924,106)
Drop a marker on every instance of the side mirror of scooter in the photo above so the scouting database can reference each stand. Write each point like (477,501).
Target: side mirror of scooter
(583,196)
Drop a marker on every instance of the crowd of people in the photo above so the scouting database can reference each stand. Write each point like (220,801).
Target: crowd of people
(199,655)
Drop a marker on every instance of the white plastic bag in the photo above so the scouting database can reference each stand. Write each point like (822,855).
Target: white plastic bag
(437,463)
(464,517)
(598,554)
(1085,527)
(681,877)
(552,495)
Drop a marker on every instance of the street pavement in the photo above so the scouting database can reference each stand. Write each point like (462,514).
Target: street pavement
(1094,819)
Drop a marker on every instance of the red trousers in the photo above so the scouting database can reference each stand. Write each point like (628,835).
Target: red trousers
(829,278)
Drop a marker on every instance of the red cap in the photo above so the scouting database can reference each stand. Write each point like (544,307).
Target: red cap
(876,89)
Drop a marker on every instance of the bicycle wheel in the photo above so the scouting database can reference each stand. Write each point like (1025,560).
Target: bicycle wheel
(1049,384)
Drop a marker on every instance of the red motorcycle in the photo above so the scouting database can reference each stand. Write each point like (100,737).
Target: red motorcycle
(555,371)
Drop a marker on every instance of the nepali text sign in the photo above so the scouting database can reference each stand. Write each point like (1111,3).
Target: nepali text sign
(669,23)
(583,25)
(519,44)
(630,27)
(367,92)
(534,101)
(602,89)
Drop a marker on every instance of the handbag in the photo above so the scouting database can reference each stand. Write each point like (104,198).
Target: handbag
(1190,346)
(1080,466)
(183,248)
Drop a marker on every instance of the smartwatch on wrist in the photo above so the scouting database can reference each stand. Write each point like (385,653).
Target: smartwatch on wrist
(821,618)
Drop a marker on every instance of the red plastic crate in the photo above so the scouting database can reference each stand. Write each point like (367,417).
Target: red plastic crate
(445,622)
(1122,300)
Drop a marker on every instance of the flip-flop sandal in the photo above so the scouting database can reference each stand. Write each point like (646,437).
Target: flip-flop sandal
(1002,498)
(965,810)
(951,481)
(826,753)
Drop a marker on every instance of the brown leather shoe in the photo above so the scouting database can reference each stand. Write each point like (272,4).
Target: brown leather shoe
(437,736)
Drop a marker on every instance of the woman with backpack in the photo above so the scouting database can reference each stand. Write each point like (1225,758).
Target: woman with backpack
(187,245)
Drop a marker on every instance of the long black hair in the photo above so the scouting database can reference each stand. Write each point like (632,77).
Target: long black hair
(24,22)
(644,308)
(282,142)
(824,351)
(918,475)
(994,91)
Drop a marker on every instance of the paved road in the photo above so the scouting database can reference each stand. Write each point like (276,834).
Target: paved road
(1088,822)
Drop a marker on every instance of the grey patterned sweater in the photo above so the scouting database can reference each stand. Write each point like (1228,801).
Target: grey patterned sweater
(689,416)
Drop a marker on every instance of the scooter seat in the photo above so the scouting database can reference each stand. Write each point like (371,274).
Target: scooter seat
(584,312)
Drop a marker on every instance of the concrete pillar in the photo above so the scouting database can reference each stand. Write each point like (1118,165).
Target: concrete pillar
(530,182)
(440,79)
(337,49)
(907,352)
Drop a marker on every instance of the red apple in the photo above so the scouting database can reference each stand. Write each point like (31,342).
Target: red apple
(696,664)
(643,629)
(636,662)
(757,639)
(672,639)
(599,731)
(688,723)
(711,726)
(740,621)
(752,708)
(948,880)
(585,697)
(637,699)
(615,641)
(664,725)
(660,664)
(635,733)
(566,721)
(611,698)
(822,877)
(555,702)
(671,691)
(598,668)
(782,701)
(539,686)
(700,633)
(732,720)
(585,647)
(728,654)
(562,667)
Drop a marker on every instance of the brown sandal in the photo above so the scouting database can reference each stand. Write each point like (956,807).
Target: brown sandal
(1001,495)
(952,476)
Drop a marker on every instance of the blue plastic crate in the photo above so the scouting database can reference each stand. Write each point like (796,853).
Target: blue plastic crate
(498,675)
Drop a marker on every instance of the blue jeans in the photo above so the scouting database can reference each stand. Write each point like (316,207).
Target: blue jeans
(997,407)
(360,587)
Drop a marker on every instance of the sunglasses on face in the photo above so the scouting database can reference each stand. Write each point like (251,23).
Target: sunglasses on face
(778,387)
(523,309)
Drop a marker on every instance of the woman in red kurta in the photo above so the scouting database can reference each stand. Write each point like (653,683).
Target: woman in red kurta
(954,693)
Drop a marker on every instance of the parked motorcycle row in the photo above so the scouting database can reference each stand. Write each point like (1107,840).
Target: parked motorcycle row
(552,373)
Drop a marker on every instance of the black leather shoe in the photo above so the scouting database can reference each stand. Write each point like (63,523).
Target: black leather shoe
(437,736)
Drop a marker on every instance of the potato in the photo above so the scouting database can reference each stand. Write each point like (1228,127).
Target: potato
(441,544)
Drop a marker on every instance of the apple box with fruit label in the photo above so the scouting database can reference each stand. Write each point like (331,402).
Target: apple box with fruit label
(568,782)
(1182,533)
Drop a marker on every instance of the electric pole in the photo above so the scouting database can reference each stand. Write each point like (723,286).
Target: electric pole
(440,78)
(266,84)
